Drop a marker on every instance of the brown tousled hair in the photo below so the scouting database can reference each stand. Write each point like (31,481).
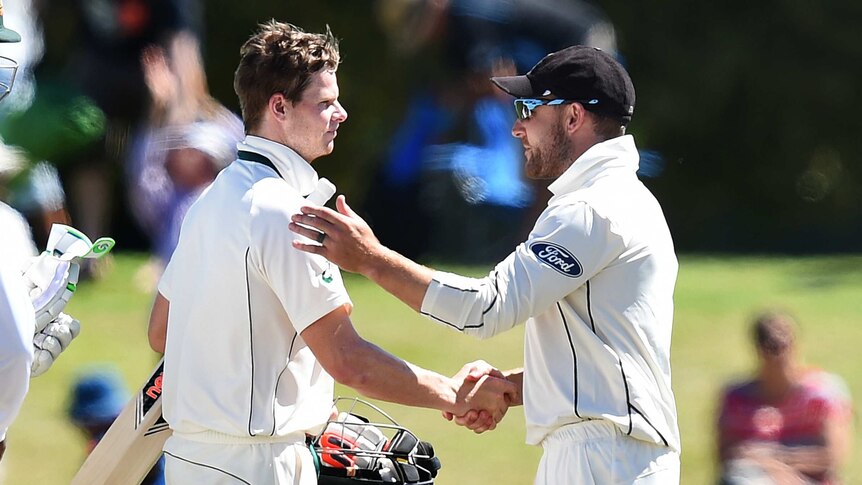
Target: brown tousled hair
(774,332)
(280,58)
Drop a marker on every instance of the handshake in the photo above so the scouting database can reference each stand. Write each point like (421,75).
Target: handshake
(483,397)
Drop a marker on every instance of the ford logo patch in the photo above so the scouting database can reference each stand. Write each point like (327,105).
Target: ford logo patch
(557,257)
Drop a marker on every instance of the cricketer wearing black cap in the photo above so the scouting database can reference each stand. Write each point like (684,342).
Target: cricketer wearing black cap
(591,286)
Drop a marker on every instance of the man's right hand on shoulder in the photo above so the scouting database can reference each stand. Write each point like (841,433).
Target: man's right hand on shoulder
(342,237)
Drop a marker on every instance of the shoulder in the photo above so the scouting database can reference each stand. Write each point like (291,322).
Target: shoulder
(569,211)
(739,391)
(825,385)
(573,221)
(273,197)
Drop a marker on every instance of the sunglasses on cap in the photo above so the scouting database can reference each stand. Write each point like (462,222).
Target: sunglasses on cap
(524,106)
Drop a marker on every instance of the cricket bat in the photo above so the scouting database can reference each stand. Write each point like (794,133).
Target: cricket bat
(133,443)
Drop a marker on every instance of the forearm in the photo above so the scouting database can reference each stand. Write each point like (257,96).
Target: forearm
(158,326)
(807,459)
(370,370)
(375,373)
(406,280)
(811,459)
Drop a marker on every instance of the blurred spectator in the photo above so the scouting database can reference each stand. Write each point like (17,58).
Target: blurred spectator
(453,164)
(39,196)
(16,245)
(91,93)
(97,398)
(187,139)
(787,425)
(35,191)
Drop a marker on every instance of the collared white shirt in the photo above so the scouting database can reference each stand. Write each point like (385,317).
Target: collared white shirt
(17,320)
(17,326)
(594,283)
(240,295)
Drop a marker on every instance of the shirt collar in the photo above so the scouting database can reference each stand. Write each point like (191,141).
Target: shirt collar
(618,153)
(294,169)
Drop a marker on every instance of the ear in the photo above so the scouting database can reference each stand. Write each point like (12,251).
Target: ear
(278,106)
(575,117)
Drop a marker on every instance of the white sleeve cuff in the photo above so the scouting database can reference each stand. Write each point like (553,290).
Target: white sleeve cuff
(454,300)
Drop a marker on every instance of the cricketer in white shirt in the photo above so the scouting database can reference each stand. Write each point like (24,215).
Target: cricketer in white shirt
(594,283)
(234,372)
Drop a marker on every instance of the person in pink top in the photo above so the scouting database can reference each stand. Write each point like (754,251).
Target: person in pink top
(789,424)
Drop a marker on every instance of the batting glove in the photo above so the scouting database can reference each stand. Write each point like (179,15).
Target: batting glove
(51,341)
(52,277)
(50,282)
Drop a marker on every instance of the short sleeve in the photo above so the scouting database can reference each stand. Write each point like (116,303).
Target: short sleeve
(307,285)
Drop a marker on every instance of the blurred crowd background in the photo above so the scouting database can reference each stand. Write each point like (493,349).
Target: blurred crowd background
(746,118)
(746,115)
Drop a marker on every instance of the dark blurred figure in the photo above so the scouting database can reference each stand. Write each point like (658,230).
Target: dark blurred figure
(789,424)
(35,191)
(16,245)
(94,56)
(98,397)
(453,165)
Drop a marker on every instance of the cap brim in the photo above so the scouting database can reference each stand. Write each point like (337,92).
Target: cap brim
(518,86)
(8,35)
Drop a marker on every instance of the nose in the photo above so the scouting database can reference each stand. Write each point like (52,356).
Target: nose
(518,129)
(340,112)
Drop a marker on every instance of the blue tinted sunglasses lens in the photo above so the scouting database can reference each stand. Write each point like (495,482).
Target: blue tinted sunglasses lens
(524,107)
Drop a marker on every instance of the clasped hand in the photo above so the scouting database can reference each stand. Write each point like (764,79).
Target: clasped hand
(484,397)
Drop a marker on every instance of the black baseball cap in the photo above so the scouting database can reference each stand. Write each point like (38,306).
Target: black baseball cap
(579,73)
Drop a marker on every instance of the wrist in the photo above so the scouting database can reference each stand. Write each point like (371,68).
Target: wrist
(516,376)
(375,262)
(452,400)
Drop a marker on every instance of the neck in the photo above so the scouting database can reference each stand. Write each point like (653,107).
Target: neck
(269,134)
(777,381)
(581,142)
(275,136)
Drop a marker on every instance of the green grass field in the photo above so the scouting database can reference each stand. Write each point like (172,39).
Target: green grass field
(715,298)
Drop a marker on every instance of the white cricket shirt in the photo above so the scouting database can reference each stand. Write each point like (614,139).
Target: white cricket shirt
(17,326)
(240,295)
(594,283)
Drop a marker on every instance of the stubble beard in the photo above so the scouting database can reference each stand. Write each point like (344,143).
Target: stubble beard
(550,160)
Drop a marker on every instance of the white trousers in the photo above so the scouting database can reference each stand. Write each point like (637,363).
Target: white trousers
(233,462)
(597,452)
